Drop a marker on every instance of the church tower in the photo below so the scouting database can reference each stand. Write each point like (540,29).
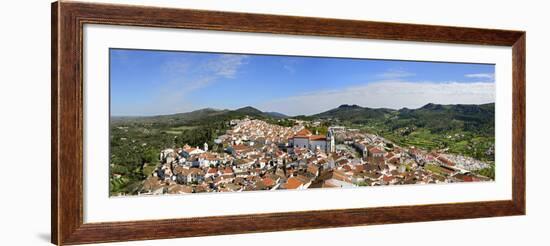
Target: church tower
(332,144)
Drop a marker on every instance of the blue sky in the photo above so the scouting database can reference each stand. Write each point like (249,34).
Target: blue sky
(145,82)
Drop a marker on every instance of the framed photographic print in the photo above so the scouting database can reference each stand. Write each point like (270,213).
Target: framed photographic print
(177,123)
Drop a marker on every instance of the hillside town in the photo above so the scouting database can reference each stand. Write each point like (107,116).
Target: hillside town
(256,155)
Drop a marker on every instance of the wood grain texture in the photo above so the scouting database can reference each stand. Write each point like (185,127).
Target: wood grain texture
(68,19)
(518,123)
(261,23)
(219,225)
(54,124)
(67,165)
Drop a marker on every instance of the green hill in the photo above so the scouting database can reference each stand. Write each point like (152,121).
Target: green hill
(434,117)
(463,129)
(190,118)
(355,114)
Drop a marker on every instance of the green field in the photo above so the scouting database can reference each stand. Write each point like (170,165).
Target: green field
(458,142)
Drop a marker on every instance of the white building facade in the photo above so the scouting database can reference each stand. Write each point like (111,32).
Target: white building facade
(305,139)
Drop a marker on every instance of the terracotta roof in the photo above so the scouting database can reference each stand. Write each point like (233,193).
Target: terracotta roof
(292,183)
(303,179)
(340,175)
(323,184)
(465,178)
(445,160)
(199,189)
(188,150)
(373,175)
(387,178)
(239,147)
(317,137)
(303,133)
(375,150)
(227,170)
(268,182)
(209,156)
(180,169)
(312,168)
(195,171)
(179,189)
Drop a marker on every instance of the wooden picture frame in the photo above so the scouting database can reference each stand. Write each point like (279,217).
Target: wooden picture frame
(68,19)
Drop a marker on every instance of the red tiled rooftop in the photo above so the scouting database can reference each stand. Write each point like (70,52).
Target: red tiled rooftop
(268,182)
(293,183)
(317,137)
(240,147)
(227,170)
(445,160)
(303,133)
(347,168)
(376,150)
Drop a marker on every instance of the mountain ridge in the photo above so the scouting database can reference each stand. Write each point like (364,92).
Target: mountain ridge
(253,110)
(435,117)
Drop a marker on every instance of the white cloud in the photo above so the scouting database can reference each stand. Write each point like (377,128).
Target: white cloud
(391,94)
(194,74)
(481,76)
(226,65)
(395,74)
(185,76)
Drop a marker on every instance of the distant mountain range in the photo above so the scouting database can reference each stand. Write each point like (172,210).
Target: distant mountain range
(435,117)
(198,115)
